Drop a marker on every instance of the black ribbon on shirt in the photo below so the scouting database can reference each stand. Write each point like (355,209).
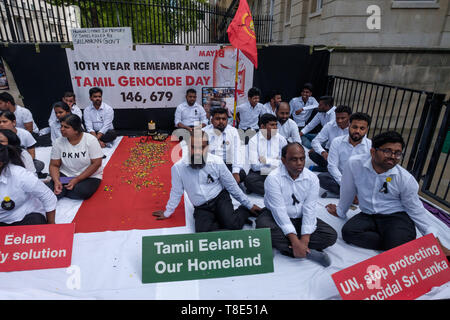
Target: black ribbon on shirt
(295,200)
(210,179)
(384,188)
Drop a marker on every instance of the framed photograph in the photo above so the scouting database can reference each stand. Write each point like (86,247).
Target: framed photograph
(218,97)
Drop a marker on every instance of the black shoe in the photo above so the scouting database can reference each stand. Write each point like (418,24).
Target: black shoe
(42,175)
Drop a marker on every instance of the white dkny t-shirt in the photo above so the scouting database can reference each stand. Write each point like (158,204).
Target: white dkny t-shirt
(76,158)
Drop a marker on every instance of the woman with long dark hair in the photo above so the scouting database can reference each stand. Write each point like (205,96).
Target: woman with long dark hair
(19,188)
(76,161)
(7,137)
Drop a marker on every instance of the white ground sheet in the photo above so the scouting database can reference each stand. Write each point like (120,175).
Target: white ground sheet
(110,266)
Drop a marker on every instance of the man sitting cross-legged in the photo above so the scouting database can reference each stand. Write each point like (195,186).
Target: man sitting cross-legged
(208,184)
(291,203)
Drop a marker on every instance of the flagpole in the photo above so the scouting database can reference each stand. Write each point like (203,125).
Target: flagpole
(235,87)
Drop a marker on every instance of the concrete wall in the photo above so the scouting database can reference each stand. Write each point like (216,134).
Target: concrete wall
(419,70)
(344,23)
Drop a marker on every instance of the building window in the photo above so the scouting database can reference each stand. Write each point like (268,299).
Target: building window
(414,4)
(287,12)
(316,8)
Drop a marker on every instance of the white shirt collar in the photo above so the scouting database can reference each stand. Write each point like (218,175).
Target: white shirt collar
(284,172)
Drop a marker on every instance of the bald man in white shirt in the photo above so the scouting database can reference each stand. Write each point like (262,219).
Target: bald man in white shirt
(208,184)
(387,193)
(291,198)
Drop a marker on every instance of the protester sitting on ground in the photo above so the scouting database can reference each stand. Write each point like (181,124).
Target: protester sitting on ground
(19,190)
(264,150)
(98,118)
(249,112)
(60,110)
(189,113)
(286,126)
(76,161)
(27,141)
(69,99)
(303,106)
(224,141)
(321,143)
(8,137)
(344,147)
(387,193)
(273,103)
(24,118)
(291,209)
(324,115)
(208,184)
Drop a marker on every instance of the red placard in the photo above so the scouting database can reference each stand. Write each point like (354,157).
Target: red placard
(403,273)
(32,247)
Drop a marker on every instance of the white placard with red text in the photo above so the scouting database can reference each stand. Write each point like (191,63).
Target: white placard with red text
(155,76)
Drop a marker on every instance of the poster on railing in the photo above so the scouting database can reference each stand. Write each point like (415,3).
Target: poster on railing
(154,76)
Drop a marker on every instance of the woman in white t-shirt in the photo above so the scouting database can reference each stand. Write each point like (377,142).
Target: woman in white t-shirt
(60,109)
(8,121)
(76,161)
(7,137)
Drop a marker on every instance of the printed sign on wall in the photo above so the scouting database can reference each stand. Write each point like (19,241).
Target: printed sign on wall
(155,76)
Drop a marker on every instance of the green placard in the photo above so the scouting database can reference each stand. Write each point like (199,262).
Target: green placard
(206,255)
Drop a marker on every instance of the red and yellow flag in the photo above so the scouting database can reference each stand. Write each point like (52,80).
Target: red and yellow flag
(241,32)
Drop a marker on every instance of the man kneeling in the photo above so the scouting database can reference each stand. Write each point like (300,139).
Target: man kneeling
(208,184)
(290,198)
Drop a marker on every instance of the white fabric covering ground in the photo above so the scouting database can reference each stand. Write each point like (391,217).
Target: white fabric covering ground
(110,266)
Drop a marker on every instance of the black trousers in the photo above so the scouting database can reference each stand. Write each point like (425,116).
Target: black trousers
(254,182)
(328,183)
(219,214)
(379,231)
(109,136)
(319,160)
(30,219)
(83,190)
(242,174)
(323,237)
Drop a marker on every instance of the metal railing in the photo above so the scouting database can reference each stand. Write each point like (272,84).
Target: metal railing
(151,21)
(421,117)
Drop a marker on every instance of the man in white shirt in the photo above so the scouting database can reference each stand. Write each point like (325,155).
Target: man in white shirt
(324,115)
(24,118)
(387,193)
(273,103)
(248,113)
(303,106)
(208,184)
(321,143)
(264,151)
(98,117)
(286,126)
(189,113)
(224,141)
(291,198)
(344,147)
(69,99)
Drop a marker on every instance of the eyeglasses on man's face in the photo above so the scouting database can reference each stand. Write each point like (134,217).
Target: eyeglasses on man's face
(390,153)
